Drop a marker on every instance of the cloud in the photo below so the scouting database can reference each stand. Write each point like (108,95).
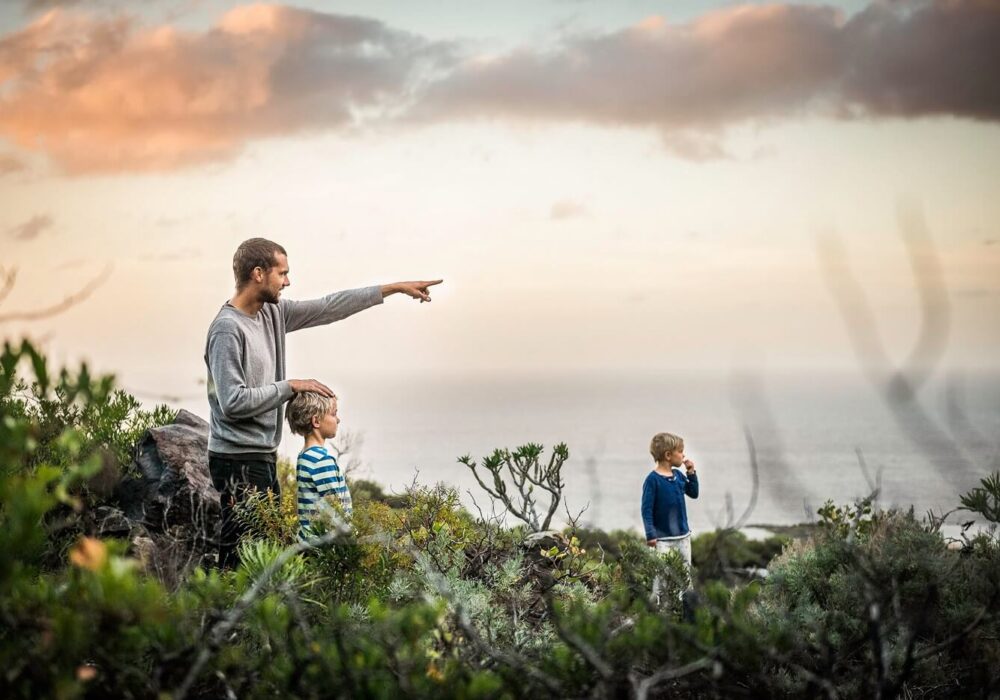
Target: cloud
(11,164)
(107,94)
(745,64)
(31,229)
(566,209)
(48,4)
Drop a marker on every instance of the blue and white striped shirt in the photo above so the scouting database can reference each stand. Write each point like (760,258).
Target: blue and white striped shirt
(318,476)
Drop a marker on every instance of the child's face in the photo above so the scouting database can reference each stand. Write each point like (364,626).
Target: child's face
(676,457)
(327,425)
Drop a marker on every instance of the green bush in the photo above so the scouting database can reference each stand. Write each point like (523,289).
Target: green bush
(424,600)
(727,554)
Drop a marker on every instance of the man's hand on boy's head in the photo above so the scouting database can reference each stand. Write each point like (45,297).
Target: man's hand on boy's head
(300,386)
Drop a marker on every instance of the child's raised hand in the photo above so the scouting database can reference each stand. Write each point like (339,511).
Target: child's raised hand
(689,465)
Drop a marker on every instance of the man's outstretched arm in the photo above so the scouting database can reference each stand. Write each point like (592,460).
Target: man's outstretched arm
(417,290)
(340,305)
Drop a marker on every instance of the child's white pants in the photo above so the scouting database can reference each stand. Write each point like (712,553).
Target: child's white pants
(680,544)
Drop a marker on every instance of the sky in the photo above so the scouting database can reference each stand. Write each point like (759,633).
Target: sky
(605,187)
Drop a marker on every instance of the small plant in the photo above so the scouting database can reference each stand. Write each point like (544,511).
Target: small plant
(257,555)
(268,516)
(526,471)
(985,499)
(855,521)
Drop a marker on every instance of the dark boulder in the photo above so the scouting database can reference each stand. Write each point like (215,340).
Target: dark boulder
(107,521)
(174,491)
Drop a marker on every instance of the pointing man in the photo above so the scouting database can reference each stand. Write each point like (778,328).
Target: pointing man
(247,388)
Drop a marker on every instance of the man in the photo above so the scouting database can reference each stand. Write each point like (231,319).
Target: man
(247,389)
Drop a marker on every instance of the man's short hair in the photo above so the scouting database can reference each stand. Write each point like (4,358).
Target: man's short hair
(663,444)
(253,253)
(304,407)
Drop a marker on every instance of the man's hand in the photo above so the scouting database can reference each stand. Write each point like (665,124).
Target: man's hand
(417,290)
(689,465)
(300,386)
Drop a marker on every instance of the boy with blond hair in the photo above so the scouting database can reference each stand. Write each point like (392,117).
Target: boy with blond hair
(664,512)
(317,474)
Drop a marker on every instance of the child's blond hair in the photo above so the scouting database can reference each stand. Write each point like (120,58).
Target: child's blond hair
(306,406)
(663,444)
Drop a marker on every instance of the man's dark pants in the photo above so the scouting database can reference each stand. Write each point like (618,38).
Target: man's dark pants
(235,479)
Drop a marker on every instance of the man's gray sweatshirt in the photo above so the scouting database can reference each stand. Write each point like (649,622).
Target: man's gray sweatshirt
(245,355)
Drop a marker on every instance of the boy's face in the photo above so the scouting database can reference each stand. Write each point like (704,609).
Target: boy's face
(327,425)
(676,457)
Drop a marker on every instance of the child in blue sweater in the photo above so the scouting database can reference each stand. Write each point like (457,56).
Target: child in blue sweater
(664,513)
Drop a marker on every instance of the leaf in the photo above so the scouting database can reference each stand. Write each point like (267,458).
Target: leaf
(89,553)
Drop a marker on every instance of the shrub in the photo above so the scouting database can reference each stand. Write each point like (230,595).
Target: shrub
(425,600)
(727,555)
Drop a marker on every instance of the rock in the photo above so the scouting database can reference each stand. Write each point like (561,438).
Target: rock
(544,540)
(144,549)
(169,556)
(536,547)
(108,521)
(175,488)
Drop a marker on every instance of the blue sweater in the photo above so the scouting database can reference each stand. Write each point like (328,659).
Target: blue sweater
(663,511)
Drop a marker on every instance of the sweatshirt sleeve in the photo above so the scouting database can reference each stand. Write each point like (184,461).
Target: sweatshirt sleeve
(236,399)
(333,307)
(648,497)
(691,487)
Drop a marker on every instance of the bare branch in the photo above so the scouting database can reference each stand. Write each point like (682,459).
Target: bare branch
(8,279)
(525,472)
(755,476)
(899,384)
(670,673)
(67,303)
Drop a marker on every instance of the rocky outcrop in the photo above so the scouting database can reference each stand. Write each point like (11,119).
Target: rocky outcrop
(174,488)
(171,503)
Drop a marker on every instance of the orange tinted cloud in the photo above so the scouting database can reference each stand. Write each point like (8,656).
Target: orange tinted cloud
(32,228)
(99,94)
(109,94)
(11,164)
(749,63)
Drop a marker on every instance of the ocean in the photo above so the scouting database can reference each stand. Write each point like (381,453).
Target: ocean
(811,433)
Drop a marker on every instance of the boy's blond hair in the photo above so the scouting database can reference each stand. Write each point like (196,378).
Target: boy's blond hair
(306,406)
(663,444)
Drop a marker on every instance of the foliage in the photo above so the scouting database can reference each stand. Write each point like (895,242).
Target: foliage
(985,499)
(526,470)
(114,424)
(423,599)
(856,521)
(270,516)
(727,554)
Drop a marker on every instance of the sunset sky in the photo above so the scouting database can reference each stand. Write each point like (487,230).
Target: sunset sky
(633,186)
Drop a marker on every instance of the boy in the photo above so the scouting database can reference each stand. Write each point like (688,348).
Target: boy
(317,473)
(664,514)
